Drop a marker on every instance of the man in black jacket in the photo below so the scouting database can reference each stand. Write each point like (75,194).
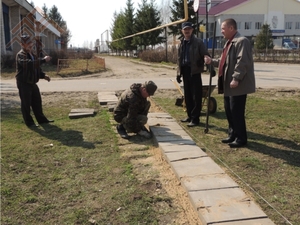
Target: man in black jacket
(192,55)
(28,74)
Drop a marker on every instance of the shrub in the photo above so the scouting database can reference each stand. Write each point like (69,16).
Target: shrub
(58,54)
(8,61)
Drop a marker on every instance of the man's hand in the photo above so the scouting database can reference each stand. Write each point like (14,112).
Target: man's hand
(207,60)
(47,78)
(234,83)
(178,78)
(47,58)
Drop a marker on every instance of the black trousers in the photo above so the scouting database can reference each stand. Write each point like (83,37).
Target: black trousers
(192,85)
(31,98)
(235,113)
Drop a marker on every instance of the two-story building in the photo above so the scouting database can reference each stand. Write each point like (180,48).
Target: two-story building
(283,17)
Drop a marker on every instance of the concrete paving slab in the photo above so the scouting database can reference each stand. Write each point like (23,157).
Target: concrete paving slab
(196,167)
(159,115)
(165,131)
(181,148)
(185,154)
(162,145)
(177,139)
(165,125)
(265,221)
(79,113)
(208,182)
(224,205)
(107,97)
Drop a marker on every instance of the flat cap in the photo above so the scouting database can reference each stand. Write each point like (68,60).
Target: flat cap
(186,25)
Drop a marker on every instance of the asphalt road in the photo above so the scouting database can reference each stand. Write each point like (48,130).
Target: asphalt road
(267,76)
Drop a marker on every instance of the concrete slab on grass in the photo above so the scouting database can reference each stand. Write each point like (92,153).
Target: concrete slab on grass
(171,125)
(178,143)
(208,182)
(79,113)
(191,153)
(166,131)
(196,167)
(224,205)
(107,97)
(265,221)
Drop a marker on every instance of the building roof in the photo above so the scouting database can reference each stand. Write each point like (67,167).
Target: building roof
(219,6)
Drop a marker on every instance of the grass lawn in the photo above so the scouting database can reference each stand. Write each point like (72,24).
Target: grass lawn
(84,178)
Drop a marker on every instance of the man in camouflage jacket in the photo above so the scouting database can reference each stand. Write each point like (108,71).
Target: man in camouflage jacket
(132,109)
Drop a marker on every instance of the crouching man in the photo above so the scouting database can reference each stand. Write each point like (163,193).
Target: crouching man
(132,109)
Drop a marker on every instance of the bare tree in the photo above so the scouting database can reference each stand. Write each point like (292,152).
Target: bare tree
(165,11)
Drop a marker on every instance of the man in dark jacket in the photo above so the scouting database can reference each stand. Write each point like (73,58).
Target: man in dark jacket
(28,74)
(191,58)
(132,109)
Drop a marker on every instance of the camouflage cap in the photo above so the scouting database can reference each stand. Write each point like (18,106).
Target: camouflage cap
(150,87)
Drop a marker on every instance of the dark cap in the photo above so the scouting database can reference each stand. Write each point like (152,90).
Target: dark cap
(186,25)
(150,87)
(25,39)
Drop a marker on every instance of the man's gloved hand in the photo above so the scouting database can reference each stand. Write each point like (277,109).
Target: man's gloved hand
(178,78)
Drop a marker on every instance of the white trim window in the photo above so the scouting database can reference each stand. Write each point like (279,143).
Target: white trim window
(248,25)
(258,25)
(288,25)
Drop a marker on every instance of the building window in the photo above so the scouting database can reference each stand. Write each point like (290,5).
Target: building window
(247,25)
(288,25)
(297,27)
(5,10)
(238,25)
(258,25)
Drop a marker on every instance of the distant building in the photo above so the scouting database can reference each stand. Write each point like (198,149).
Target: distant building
(19,18)
(283,16)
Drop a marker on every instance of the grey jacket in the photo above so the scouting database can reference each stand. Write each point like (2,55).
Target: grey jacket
(197,51)
(239,66)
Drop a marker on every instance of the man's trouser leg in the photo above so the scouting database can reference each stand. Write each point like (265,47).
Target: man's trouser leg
(25,93)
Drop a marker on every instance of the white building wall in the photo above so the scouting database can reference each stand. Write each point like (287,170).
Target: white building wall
(273,12)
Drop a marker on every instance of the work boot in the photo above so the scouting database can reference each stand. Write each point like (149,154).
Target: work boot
(122,131)
(145,134)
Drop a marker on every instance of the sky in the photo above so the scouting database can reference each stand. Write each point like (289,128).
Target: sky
(87,19)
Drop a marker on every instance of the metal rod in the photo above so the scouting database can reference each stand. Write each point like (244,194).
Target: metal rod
(211,74)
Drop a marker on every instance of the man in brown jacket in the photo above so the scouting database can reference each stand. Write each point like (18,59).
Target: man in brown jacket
(237,79)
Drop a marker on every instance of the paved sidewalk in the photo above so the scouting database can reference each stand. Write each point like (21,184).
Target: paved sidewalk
(214,195)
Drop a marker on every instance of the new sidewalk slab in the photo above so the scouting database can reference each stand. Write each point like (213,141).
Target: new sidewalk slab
(214,195)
